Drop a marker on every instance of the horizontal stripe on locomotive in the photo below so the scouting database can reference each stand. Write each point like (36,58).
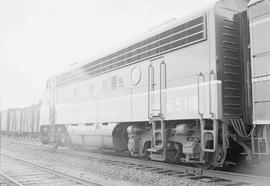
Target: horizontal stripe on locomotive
(215,82)
(261,21)
(261,78)
(261,122)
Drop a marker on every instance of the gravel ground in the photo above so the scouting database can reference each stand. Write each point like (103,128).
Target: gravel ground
(94,169)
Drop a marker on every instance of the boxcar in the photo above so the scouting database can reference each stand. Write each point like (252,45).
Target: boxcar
(10,122)
(14,121)
(23,122)
(30,121)
(4,122)
(259,14)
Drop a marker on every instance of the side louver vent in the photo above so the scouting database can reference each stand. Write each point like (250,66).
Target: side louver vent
(180,36)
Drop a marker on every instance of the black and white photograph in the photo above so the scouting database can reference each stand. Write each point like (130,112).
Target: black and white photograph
(135,92)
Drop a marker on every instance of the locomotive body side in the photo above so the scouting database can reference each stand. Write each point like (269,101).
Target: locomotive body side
(122,95)
(114,97)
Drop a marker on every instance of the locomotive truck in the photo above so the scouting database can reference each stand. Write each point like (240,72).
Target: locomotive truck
(195,90)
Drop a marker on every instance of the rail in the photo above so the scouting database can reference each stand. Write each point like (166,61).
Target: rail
(23,172)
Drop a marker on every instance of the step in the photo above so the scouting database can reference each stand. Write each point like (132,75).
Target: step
(155,149)
(157,157)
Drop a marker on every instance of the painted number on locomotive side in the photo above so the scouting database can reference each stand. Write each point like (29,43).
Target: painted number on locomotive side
(182,104)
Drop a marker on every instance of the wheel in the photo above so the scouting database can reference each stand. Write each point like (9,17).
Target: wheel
(174,152)
(45,141)
(146,154)
(212,159)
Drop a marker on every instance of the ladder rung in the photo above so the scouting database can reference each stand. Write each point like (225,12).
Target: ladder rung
(208,130)
(155,149)
(259,138)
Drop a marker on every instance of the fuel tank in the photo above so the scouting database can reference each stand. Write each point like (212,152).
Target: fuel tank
(97,135)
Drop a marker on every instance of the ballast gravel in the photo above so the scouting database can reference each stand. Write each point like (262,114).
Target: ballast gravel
(93,168)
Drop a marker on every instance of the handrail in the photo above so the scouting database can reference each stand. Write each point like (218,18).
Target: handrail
(199,107)
(161,83)
(212,73)
(150,84)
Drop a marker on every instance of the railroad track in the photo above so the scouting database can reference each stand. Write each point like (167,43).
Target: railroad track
(204,176)
(20,172)
(186,172)
(180,171)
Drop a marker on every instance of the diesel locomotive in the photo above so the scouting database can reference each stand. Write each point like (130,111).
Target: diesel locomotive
(195,90)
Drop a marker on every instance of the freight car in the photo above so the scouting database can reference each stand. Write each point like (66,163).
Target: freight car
(259,15)
(10,122)
(180,93)
(4,122)
(21,122)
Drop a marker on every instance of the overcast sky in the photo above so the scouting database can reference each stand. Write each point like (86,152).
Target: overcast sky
(39,38)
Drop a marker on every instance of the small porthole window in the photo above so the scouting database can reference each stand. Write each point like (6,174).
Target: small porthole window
(135,75)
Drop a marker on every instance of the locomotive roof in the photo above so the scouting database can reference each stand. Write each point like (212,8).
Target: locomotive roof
(107,60)
(152,31)
(253,2)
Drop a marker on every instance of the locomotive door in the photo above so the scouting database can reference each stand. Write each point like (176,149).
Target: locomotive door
(156,87)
